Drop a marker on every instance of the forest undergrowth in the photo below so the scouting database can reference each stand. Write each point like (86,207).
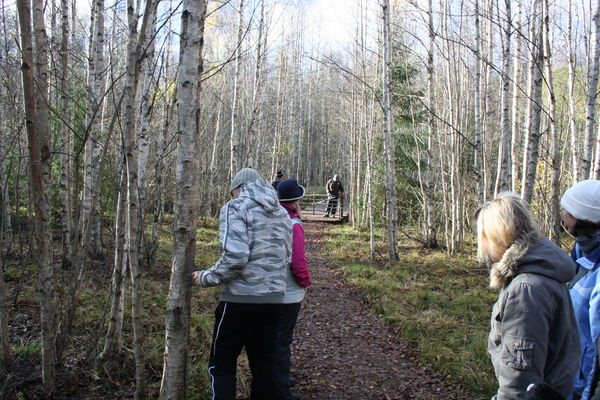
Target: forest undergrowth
(439,304)
(78,379)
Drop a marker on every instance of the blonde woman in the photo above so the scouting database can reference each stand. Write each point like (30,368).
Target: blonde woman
(533,337)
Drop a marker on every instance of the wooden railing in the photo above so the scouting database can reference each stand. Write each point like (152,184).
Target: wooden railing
(314,204)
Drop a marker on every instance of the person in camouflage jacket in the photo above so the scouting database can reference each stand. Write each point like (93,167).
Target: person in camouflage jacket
(256,236)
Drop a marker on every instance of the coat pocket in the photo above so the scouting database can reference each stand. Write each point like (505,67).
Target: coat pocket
(517,353)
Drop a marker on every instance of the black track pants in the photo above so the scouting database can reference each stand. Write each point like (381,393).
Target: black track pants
(239,325)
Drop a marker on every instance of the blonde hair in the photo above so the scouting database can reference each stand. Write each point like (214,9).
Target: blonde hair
(500,223)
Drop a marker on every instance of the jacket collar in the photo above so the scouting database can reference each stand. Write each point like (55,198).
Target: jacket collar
(291,211)
(507,267)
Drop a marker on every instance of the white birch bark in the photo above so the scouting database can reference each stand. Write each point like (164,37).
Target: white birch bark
(515,115)
(174,380)
(505,149)
(531,156)
(66,191)
(235,153)
(574,135)
(427,186)
(256,89)
(115,321)
(36,115)
(590,122)
(477,167)
(555,219)
(134,58)
(389,147)
(91,215)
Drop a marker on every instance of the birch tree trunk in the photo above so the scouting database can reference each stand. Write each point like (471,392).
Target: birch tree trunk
(236,156)
(429,209)
(174,380)
(389,148)
(134,59)
(505,148)
(555,219)
(477,167)
(256,88)
(515,116)
(572,109)
(66,191)
(530,158)
(91,215)
(147,100)
(115,320)
(590,122)
(36,121)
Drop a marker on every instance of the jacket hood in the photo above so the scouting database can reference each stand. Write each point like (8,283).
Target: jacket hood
(532,254)
(262,193)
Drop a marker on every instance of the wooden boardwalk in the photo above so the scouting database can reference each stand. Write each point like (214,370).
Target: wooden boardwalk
(314,207)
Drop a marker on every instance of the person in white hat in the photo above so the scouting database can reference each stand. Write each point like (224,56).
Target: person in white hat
(581,218)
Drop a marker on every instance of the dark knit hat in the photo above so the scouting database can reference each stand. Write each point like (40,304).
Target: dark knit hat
(289,190)
(279,174)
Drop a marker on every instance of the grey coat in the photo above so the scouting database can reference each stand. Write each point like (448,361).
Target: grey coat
(256,247)
(533,335)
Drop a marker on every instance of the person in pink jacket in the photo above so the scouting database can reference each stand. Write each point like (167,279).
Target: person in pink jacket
(289,193)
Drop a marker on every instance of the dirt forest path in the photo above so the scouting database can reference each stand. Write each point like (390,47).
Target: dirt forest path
(343,352)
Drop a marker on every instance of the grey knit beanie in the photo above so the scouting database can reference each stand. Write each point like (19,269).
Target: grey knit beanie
(582,200)
(243,176)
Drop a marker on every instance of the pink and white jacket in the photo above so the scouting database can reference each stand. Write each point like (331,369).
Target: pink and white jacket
(299,276)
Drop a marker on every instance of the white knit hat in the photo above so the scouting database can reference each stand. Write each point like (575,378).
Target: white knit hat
(582,200)
(243,176)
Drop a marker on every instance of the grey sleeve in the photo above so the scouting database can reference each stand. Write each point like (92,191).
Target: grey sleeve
(526,321)
(235,250)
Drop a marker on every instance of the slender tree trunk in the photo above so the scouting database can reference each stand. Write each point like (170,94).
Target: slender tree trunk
(427,190)
(572,109)
(530,158)
(174,381)
(505,149)
(66,191)
(134,59)
(36,115)
(235,162)
(477,167)
(555,219)
(515,115)
(256,88)
(389,147)
(590,122)
(114,321)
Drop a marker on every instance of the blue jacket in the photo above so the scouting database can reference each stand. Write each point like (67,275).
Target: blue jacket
(586,302)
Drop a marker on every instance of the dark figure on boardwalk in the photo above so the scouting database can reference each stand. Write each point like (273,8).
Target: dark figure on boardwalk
(298,279)
(256,242)
(533,336)
(335,190)
(581,218)
(278,178)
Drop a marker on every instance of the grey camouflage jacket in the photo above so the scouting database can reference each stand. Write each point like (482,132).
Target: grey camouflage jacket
(533,335)
(256,244)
